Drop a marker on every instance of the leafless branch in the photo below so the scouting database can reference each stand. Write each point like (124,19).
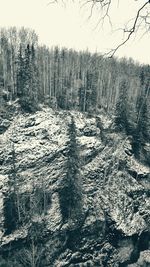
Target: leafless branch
(105,6)
(132,30)
(52,2)
(137,21)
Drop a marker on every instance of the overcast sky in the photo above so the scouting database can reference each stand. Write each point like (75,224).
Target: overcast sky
(69,26)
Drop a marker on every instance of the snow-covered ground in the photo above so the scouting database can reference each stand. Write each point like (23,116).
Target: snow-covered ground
(39,142)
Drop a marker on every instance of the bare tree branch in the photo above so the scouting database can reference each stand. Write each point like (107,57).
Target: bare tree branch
(52,2)
(105,5)
(130,31)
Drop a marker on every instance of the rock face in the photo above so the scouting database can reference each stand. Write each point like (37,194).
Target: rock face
(113,227)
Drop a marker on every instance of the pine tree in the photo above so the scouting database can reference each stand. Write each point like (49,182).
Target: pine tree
(121,119)
(27,81)
(71,193)
(34,77)
(81,92)
(20,73)
(141,132)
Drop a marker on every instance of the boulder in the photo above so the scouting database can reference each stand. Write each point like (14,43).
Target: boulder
(90,130)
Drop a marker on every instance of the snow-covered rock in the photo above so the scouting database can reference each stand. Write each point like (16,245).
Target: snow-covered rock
(114,188)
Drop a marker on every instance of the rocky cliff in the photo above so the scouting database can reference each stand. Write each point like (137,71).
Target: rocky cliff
(112,227)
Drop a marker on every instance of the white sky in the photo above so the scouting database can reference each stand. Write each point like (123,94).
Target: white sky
(69,26)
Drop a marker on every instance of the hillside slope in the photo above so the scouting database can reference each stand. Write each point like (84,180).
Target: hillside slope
(114,222)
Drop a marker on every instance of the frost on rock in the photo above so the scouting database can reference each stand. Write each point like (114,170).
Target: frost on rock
(139,167)
(38,141)
(115,186)
(54,218)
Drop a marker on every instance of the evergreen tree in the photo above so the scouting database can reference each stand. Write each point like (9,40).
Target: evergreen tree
(81,92)
(121,119)
(141,132)
(27,80)
(34,76)
(71,194)
(20,73)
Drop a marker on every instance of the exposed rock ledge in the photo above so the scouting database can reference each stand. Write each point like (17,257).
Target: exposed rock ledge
(116,204)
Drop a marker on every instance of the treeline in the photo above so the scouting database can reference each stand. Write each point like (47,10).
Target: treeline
(68,79)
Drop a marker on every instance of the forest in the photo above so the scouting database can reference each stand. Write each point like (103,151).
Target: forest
(65,79)
(74,167)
